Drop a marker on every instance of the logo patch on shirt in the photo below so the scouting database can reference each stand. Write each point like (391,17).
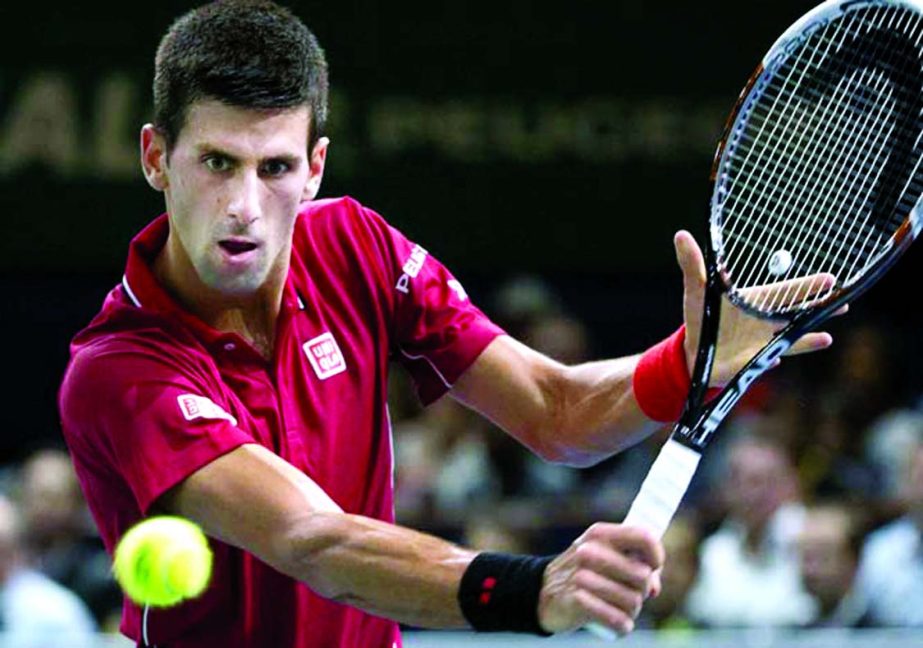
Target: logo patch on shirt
(455,285)
(193,407)
(325,356)
(411,268)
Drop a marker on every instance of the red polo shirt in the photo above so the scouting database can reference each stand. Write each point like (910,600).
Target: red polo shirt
(152,394)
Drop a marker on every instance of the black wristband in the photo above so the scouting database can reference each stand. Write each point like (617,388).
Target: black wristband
(499,592)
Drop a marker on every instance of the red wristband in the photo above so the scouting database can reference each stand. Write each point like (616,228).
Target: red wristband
(661,379)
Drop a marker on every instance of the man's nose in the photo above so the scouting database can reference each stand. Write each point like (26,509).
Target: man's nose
(244,206)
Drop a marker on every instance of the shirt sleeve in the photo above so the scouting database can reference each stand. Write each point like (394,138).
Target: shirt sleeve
(154,419)
(437,332)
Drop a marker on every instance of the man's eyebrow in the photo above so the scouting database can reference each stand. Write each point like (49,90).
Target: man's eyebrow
(212,149)
(288,158)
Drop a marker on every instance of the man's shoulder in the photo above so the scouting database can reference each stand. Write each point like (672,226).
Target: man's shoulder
(343,213)
(339,208)
(340,237)
(123,339)
(120,328)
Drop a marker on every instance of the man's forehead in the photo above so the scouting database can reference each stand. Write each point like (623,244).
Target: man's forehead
(213,124)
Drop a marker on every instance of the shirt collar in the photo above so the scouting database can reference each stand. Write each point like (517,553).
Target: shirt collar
(144,291)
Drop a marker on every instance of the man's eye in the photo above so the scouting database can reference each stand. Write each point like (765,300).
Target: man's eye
(275,168)
(217,164)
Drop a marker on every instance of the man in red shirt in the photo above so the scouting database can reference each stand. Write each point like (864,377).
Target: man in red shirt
(238,374)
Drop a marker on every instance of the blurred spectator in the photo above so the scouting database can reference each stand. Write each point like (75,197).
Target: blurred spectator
(889,441)
(681,543)
(865,372)
(774,407)
(442,463)
(748,569)
(521,301)
(891,567)
(829,545)
(35,611)
(486,531)
(832,461)
(61,540)
(559,336)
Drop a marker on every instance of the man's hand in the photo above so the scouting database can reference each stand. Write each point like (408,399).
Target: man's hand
(740,336)
(604,576)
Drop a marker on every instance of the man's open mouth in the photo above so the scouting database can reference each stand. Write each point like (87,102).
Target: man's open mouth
(237,247)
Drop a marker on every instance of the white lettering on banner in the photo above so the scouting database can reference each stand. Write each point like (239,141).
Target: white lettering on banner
(325,356)
(42,121)
(193,406)
(411,268)
(42,125)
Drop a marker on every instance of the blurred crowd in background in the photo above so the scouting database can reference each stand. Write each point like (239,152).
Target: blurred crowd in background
(807,510)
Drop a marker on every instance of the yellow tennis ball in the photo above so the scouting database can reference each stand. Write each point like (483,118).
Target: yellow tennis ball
(163,561)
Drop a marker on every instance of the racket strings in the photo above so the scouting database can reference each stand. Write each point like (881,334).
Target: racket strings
(765,162)
(815,145)
(834,167)
(804,160)
(826,169)
(831,250)
(882,230)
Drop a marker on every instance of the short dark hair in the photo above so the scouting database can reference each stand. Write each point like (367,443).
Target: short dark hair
(245,53)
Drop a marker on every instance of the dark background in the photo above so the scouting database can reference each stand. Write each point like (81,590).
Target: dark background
(566,140)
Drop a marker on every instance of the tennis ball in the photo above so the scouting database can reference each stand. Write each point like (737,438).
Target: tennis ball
(780,262)
(163,561)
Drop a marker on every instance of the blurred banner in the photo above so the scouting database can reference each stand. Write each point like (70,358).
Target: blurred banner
(572,136)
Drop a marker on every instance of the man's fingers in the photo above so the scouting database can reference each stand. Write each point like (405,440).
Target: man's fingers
(811,342)
(640,544)
(613,565)
(690,259)
(601,612)
(655,585)
(780,294)
(604,577)
(616,594)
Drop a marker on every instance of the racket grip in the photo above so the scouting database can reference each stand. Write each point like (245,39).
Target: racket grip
(663,488)
(657,501)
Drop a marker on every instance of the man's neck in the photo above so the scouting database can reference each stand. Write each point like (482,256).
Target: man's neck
(253,317)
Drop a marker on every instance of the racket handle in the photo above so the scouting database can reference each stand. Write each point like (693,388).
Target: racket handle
(663,488)
(658,499)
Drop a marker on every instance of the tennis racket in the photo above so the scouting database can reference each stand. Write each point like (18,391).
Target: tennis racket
(817,192)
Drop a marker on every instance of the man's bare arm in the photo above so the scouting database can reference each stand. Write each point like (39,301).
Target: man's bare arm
(252,499)
(573,415)
(580,415)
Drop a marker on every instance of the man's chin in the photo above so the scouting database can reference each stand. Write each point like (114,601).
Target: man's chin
(237,286)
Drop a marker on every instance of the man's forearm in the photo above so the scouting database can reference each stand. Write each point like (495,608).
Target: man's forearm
(600,415)
(386,570)
(573,415)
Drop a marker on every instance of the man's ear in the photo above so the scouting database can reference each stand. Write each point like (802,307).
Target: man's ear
(317,161)
(154,157)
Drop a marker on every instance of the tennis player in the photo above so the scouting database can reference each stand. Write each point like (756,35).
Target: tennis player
(237,377)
